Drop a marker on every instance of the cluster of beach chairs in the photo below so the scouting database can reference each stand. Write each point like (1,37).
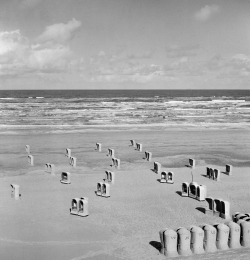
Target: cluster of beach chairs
(15,188)
(166,177)
(214,174)
(205,238)
(49,168)
(239,217)
(218,207)
(194,190)
(103,188)
(72,159)
(182,241)
(30,156)
(79,206)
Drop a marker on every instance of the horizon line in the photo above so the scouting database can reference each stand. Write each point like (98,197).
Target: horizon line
(125,89)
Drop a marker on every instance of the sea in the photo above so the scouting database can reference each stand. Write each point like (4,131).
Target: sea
(63,109)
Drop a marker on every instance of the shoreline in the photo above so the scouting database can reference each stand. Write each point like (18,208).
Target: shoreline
(172,147)
(71,129)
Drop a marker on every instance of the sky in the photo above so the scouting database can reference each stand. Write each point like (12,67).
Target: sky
(124,44)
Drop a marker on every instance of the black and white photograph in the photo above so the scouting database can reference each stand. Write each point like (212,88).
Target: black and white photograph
(124,129)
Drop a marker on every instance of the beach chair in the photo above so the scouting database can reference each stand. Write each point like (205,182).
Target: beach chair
(27,149)
(50,168)
(133,143)
(163,177)
(191,162)
(216,174)
(217,207)
(229,169)
(99,189)
(110,177)
(74,206)
(201,192)
(209,205)
(157,167)
(225,210)
(105,190)
(183,241)
(193,190)
(197,237)
(31,159)
(83,207)
(68,152)
(98,147)
(168,239)
(170,177)
(185,189)
(15,191)
(65,178)
(72,161)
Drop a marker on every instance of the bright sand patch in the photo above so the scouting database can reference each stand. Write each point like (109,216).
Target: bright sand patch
(126,225)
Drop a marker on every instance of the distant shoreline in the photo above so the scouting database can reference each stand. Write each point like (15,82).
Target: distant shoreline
(64,129)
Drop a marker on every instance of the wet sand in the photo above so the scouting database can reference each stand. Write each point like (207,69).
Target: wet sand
(126,225)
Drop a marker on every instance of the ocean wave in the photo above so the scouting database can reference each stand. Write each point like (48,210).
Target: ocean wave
(228,101)
(7,98)
(51,111)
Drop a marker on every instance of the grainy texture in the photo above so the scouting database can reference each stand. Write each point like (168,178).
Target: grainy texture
(126,225)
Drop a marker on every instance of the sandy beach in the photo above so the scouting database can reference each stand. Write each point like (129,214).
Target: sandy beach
(174,76)
(126,225)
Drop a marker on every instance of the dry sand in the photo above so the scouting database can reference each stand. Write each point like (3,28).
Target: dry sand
(126,225)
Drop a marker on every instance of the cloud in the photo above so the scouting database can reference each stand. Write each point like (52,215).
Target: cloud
(235,67)
(137,77)
(109,68)
(206,12)
(11,41)
(240,63)
(20,56)
(60,32)
(104,68)
(140,56)
(177,51)
(13,48)
(215,63)
(241,59)
(48,59)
